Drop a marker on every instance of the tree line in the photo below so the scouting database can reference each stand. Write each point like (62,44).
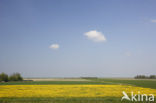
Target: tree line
(145,77)
(14,77)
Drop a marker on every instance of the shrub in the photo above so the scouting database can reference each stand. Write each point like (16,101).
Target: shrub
(15,77)
(3,77)
(152,76)
(145,77)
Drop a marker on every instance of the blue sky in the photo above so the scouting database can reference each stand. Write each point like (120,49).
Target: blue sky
(29,28)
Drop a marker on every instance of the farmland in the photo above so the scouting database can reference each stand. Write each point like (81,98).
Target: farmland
(73,90)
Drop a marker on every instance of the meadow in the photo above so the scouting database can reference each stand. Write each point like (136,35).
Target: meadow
(103,90)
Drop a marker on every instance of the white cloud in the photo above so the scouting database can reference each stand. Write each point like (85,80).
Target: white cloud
(153,21)
(54,46)
(95,36)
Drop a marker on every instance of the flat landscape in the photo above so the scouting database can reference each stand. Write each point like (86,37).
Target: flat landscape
(55,79)
(102,90)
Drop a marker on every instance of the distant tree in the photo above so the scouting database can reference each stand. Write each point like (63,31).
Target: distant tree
(141,77)
(145,77)
(16,77)
(152,76)
(3,77)
(89,77)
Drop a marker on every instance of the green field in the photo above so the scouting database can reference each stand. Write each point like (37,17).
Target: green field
(140,83)
(64,100)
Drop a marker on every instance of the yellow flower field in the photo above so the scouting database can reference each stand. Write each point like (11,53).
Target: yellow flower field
(70,90)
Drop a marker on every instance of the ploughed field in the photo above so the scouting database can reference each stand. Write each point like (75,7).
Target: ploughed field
(74,91)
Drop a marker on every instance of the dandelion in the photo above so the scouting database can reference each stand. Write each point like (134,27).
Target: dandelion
(70,90)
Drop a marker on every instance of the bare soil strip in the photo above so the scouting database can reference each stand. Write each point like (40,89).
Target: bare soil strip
(55,79)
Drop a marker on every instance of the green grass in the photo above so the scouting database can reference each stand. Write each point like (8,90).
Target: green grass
(65,100)
(52,82)
(141,83)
